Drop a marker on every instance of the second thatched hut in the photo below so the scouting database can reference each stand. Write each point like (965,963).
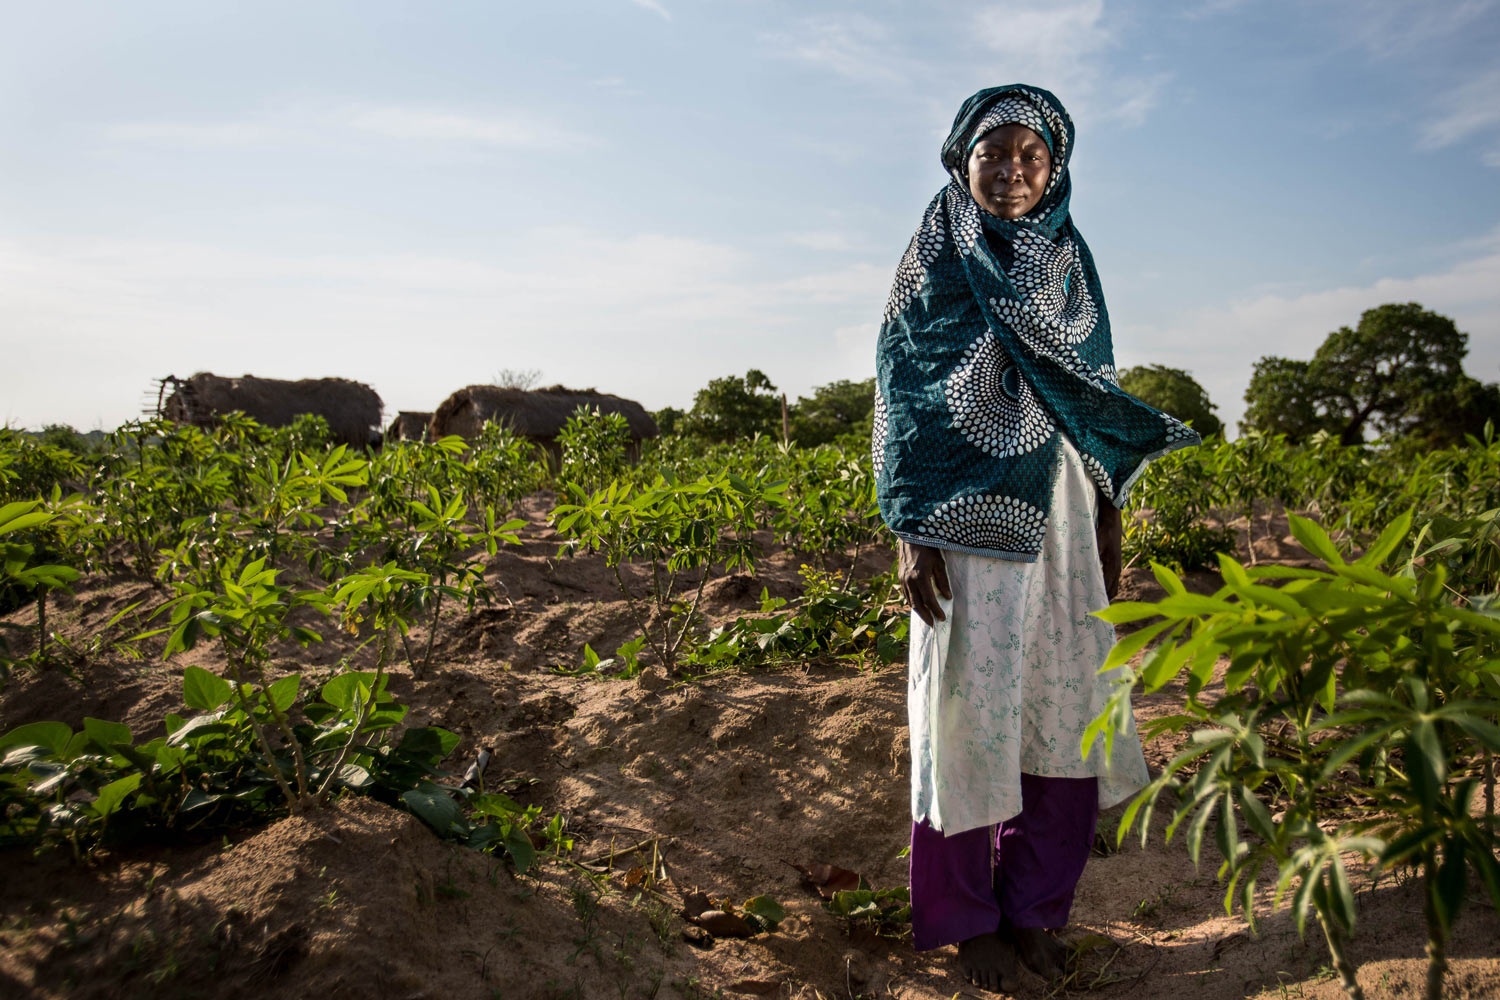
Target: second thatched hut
(537,414)
(352,409)
(409,425)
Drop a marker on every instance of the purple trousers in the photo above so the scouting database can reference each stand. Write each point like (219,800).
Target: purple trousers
(1020,873)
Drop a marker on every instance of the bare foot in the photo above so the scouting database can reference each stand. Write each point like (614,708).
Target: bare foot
(989,962)
(1040,951)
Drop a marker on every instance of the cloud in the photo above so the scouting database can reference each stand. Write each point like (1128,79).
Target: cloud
(90,323)
(855,47)
(1396,28)
(654,7)
(1220,344)
(1473,106)
(438,125)
(1063,47)
(320,125)
(822,240)
(1492,158)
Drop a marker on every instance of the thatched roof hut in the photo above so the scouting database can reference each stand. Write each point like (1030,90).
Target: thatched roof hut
(533,413)
(409,425)
(352,409)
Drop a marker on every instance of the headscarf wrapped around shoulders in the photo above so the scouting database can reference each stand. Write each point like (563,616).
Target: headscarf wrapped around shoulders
(996,342)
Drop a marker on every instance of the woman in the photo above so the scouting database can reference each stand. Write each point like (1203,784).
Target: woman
(1004,450)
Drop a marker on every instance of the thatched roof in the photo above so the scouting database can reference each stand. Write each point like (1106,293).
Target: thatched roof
(533,413)
(352,409)
(409,425)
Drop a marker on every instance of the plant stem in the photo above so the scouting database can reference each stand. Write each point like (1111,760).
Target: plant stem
(293,801)
(41,622)
(1335,938)
(359,721)
(298,761)
(1437,934)
(633,603)
(432,633)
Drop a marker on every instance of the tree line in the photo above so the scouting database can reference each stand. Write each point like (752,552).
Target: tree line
(1397,373)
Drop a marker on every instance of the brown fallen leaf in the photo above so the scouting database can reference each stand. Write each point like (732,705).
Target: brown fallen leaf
(635,877)
(754,987)
(721,924)
(827,879)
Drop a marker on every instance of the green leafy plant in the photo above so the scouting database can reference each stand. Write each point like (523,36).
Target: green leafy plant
(1347,680)
(20,572)
(673,528)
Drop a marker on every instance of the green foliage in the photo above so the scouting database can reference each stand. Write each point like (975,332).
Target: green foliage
(595,447)
(674,528)
(1178,493)
(1351,679)
(886,911)
(1400,371)
(869,625)
(835,410)
(210,772)
(22,573)
(733,408)
(1173,391)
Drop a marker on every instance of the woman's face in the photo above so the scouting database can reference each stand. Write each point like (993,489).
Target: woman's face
(1008,171)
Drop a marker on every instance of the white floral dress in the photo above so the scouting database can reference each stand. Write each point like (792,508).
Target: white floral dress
(1008,683)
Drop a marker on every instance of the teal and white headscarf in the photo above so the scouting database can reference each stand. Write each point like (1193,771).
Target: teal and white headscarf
(995,342)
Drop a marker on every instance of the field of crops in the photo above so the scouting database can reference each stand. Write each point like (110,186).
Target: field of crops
(459,719)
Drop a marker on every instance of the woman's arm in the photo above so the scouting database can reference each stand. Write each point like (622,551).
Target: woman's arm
(920,570)
(1110,536)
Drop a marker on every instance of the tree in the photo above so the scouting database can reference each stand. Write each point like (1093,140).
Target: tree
(1379,372)
(668,420)
(1173,391)
(1400,371)
(833,410)
(731,408)
(1281,400)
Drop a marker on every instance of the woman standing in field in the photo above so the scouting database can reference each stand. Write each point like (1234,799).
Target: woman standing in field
(1003,449)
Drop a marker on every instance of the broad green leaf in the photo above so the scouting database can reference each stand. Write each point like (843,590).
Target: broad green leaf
(203,690)
(434,807)
(283,692)
(52,735)
(105,735)
(113,795)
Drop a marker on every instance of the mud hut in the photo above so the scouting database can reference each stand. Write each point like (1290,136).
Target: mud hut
(409,425)
(352,409)
(537,414)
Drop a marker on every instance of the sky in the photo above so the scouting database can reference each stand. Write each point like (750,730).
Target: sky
(642,195)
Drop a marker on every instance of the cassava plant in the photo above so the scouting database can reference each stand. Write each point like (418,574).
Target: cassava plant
(675,530)
(1350,682)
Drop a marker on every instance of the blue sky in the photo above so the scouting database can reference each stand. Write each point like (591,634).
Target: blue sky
(641,195)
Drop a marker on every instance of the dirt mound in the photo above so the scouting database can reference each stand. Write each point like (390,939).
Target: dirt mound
(720,785)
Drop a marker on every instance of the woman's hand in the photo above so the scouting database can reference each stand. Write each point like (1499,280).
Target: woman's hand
(920,570)
(1109,534)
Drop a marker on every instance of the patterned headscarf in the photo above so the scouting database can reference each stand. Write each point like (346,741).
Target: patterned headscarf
(996,341)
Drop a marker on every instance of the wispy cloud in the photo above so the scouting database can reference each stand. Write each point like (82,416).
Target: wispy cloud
(1473,106)
(1223,342)
(324,124)
(654,7)
(823,240)
(1063,47)
(1492,158)
(438,125)
(1390,28)
(855,47)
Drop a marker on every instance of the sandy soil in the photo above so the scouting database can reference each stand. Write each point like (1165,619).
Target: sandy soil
(720,785)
